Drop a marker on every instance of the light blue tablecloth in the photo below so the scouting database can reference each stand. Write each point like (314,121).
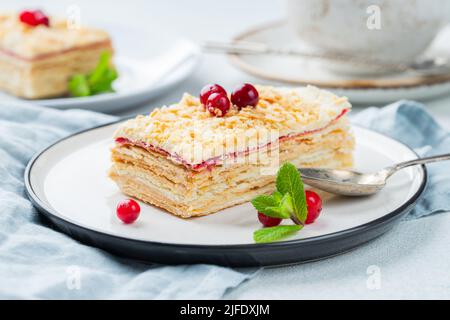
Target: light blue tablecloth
(410,123)
(38,262)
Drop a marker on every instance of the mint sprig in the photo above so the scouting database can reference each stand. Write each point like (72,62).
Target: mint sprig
(97,81)
(288,202)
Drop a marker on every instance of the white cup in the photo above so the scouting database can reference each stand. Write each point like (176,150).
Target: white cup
(394,31)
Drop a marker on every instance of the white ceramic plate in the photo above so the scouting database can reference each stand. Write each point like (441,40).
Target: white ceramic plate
(68,182)
(359,89)
(148,64)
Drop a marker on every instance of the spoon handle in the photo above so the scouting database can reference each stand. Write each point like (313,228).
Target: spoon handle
(414,162)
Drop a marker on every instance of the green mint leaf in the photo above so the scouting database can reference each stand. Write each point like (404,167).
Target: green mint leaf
(263,201)
(78,86)
(98,81)
(104,84)
(286,204)
(277,196)
(277,212)
(275,233)
(289,181)
(268,206)
(102,66)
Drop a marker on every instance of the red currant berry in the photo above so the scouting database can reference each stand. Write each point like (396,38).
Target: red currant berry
(245,95)
(268,221)
(128,211)
(41,18)
(28,18)
(34,18)
(208,90)
(314,204)
(218,104)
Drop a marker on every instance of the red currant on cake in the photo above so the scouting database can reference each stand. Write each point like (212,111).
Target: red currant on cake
(128,211)
(34,18)
(245,95)
(218,104)
(314,204)
(208,90)
(267,221)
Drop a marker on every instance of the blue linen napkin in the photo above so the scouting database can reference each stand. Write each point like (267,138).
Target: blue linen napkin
(410,123)
(37,261)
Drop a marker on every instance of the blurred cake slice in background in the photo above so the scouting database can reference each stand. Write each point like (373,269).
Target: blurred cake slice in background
(39,54)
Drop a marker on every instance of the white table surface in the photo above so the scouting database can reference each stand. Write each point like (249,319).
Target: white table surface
(206,20)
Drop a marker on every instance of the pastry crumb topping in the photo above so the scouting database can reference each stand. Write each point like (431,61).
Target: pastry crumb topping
(185,128)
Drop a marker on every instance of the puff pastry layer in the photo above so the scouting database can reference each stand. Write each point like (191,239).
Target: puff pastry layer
(149,165)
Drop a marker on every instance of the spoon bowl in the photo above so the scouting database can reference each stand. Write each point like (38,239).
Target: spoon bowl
(343,182)
(352,183)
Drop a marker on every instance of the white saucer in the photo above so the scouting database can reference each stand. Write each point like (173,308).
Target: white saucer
(68,182)
(148,64)
(359,89)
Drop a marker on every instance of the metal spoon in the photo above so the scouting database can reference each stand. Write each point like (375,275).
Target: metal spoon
(432,66)
(350,183)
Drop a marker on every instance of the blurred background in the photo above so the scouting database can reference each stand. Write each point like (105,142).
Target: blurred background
(144,29)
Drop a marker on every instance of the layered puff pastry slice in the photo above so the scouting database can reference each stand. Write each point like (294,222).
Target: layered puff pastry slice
(191,163)
(37,61)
